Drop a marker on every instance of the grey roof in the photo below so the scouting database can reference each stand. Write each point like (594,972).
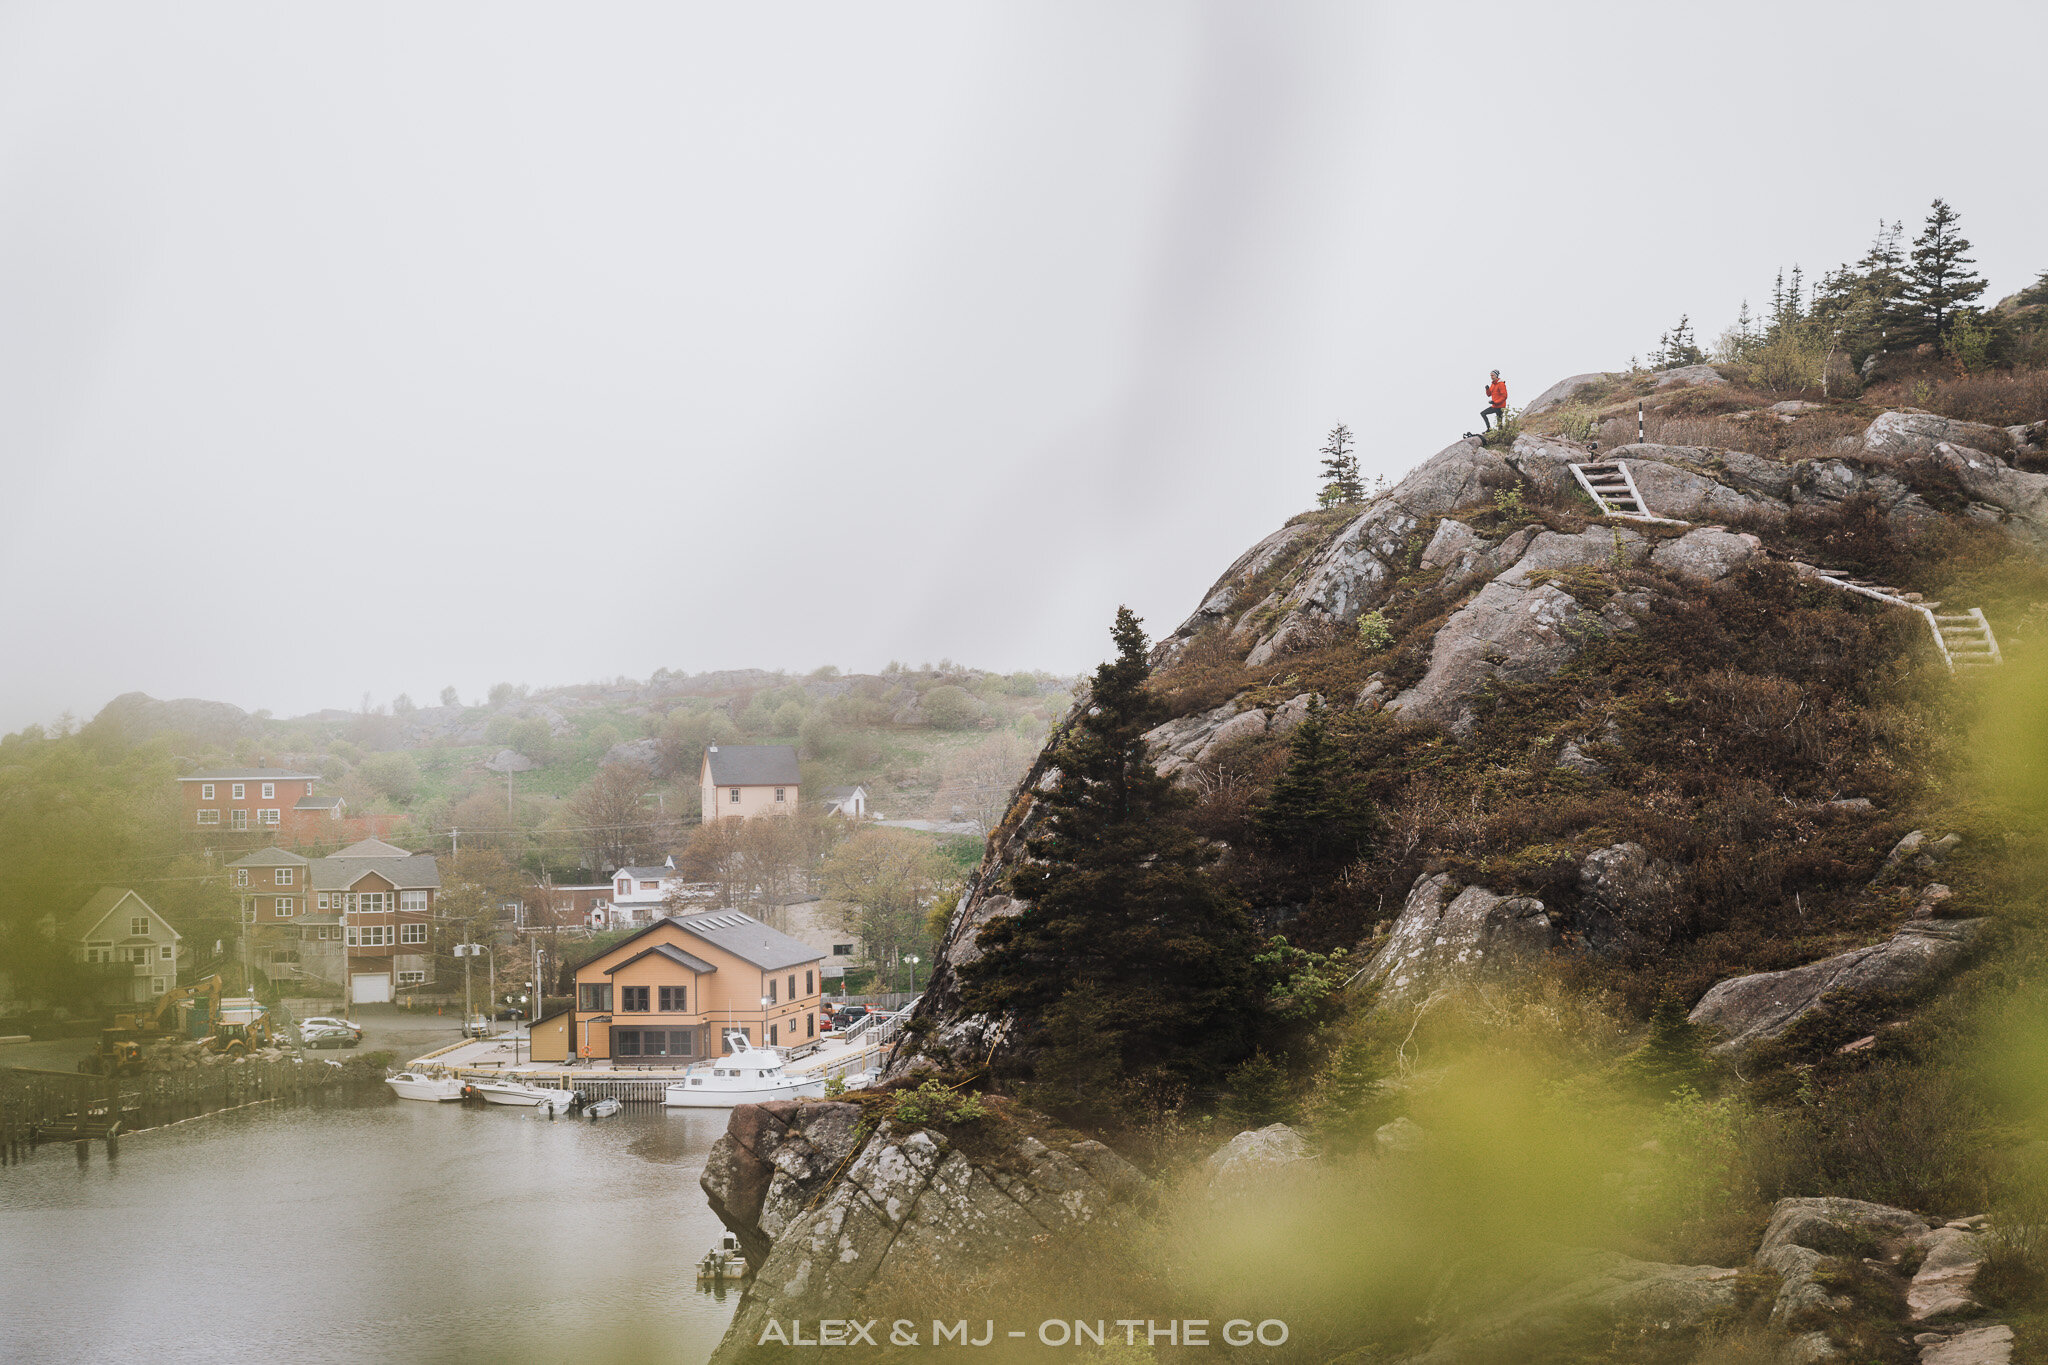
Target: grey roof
(251,775)
(102,904)
(749,940)
(410,872)
(271,857)
(373,848)
(645,872)
(834,795)
(672,953)
(317,803)
(752,765)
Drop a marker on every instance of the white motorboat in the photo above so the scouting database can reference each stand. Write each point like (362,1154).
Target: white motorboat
(523,1094)
(602,1109)
(748,1075)
(417,1085)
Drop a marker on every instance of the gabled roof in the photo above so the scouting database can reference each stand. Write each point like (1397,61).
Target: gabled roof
(272,857)
(669,951)
(408,871)
(318,803)
(834,795)
(251,775)
(645,872)
(746,939)
(749,940)
(104,902)
(373,848)
(752,765)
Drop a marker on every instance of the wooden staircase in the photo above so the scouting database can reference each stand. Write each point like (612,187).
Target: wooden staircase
(1613,490)
(1963,638)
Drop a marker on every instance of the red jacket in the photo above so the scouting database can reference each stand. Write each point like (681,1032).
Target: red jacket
(1497,393)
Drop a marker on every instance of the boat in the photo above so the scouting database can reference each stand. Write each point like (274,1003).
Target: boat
(417,1085)
(723,1262)
(602,1109)
(530,1096)
(748,1075)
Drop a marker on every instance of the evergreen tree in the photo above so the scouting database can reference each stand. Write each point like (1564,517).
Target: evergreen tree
(1122,927)
(1341,482)
(1315,812)
(1678,348)
(1674,1056)
(1353,1107)
(1257,1094)
(1939,282)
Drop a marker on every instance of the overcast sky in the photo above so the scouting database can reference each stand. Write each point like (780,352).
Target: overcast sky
(374,348)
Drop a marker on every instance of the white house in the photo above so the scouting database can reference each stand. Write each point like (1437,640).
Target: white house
(850,802)
(127,944)
(638,894)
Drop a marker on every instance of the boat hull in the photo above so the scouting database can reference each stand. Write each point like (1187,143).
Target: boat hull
(704,1097)
(526,1099)
(433,1088)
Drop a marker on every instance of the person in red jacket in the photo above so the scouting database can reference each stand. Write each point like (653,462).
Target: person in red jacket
(1496,402)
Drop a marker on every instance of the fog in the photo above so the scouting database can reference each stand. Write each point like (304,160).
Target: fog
(355,350)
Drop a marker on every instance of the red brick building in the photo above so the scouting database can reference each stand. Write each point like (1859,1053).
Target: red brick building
(279,801)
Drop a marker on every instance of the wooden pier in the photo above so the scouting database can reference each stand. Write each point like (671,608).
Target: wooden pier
(60,1106)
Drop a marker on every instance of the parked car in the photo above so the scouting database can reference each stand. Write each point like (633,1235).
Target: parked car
(325,1035)
(327,1021)
(478,1027)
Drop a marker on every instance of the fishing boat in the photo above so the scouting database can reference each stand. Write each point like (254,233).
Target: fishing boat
(748,1075)
(523,1094)
(417,1085)
(602,1109)
(723,1262)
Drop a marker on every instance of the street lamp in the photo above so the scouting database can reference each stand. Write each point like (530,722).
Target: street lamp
(912,961)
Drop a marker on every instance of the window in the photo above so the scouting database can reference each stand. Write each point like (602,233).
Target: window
(633,998)
(412,978)
(139,954)
(792,985)
(735,796)
(282,876)
(810,1026)
(102,951)
(810,982)
(778,793)
(241,873)
(309,789)
(413,902)
(771,1035)
(671,998)
(650,886)
(745,1031)
(682,1042)
(138,926)
(323,901)
(284,907)
(369,936)
(238,819)
(842,950)
(625,887)
(771,990)
(166,951)
(206,791)
(270,791)
(372,902)
(238,792)
(156,985)
(412,933)
(593,997)
(209,817)
(267,816)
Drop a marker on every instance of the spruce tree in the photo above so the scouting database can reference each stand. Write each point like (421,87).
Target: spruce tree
(1353,1107)
(1341,482)
(1315,813)
(1939,281)
(1122,926)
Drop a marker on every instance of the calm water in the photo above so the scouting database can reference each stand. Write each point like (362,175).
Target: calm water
(386,1231)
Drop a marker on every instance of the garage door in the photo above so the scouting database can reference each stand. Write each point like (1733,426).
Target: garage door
(371,988)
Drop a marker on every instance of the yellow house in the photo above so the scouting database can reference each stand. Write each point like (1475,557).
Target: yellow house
(748,780)
(668,994)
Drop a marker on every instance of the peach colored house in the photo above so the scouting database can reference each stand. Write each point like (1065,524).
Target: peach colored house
(665,996)
(748,780)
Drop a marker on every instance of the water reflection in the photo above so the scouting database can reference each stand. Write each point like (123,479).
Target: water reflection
(372,1231)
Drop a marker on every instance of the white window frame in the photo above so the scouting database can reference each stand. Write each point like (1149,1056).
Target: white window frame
(415,978)
(241,876)
(412,933)
(281,876)
(101,950)
(323,901)
(166,952)
(735,798)
(238,792)
(370,902)
(238,818)
(209,817)
(412,902)
(283,907)
(270,791)
(206,791)
(268,816)
(156,985)
(138,926)
(781,793)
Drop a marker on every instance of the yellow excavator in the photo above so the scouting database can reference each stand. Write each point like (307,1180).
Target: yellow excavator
(119,1050)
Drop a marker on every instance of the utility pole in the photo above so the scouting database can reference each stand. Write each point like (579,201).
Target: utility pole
(455,836)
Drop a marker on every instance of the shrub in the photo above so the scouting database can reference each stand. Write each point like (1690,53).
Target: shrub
(1969,344)
(1576,421)
(394,775)
(932,1103)
(1508,502)
(951,708)
(1373,632)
